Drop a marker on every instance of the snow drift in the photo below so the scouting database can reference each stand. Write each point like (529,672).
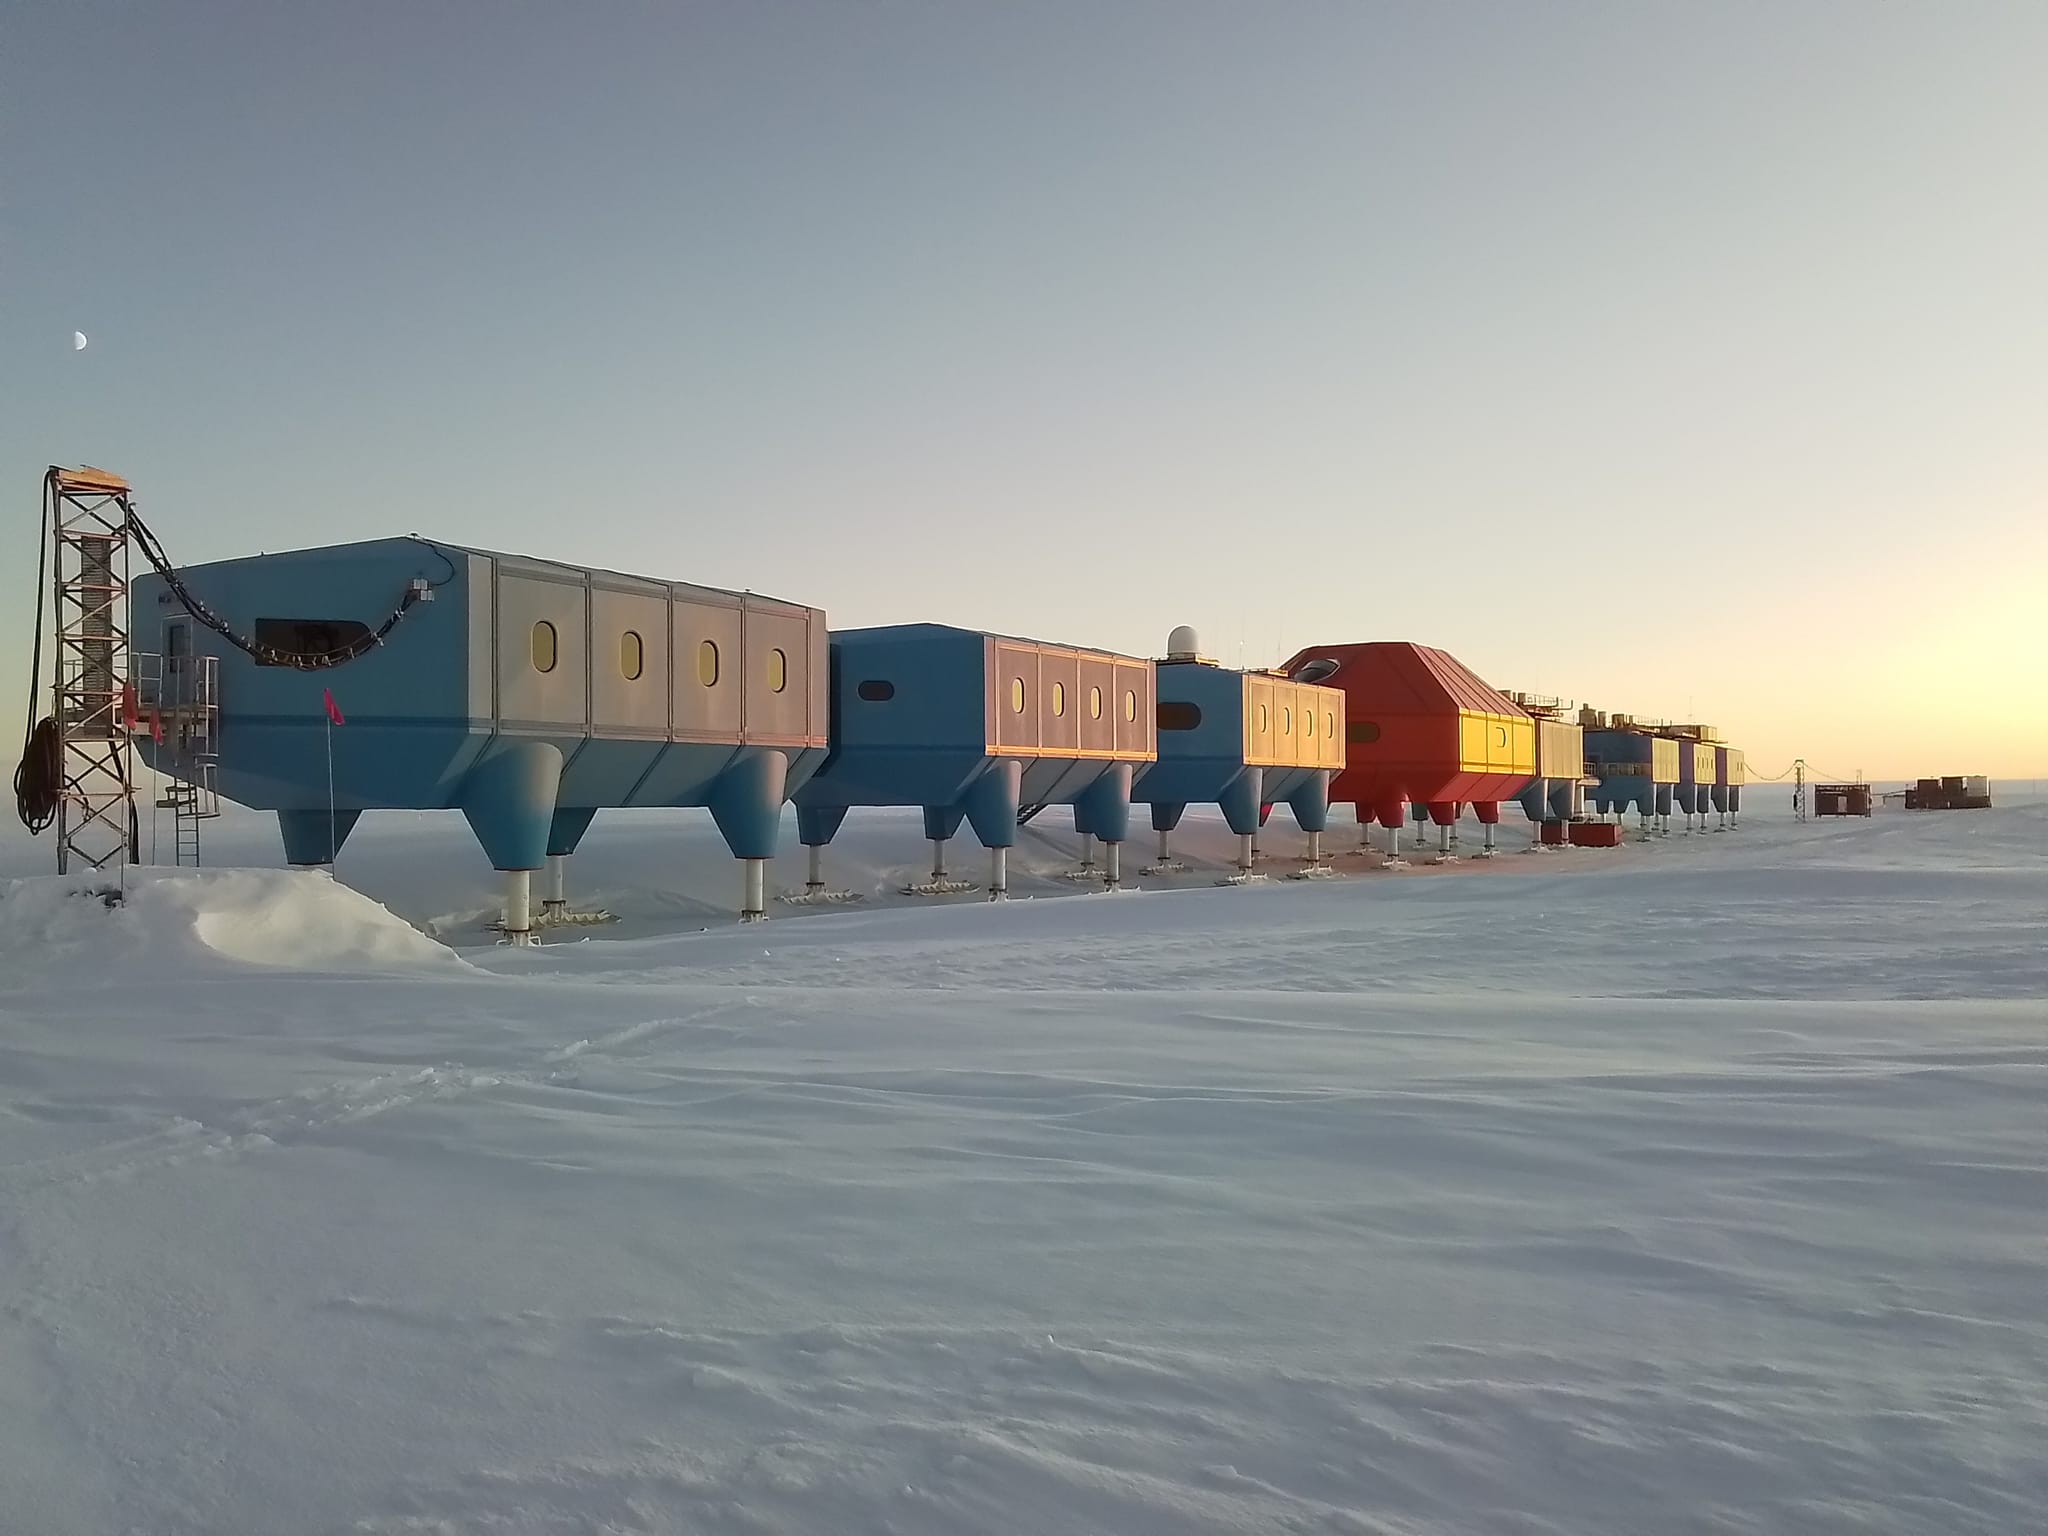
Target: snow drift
(91,926)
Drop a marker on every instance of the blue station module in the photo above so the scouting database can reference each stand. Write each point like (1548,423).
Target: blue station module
(979,727)
(1731,772)
(1554,793)
(1696,770)
(1633,767)
(527,694)
(1243,741)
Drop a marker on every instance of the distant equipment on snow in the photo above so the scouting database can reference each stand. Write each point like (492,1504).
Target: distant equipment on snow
(1841,800)
(1971,792)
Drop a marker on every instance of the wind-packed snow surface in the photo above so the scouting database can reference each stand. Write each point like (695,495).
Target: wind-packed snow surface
(1697,1186)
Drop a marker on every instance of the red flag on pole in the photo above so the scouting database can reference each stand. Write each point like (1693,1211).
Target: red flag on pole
(333,712)
(156,727)
(129,718)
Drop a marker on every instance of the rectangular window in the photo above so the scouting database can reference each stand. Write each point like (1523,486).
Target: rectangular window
(307,637)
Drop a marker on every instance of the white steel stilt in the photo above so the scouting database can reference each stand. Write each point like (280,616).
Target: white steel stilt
(998,874)
(1087,850)
(814,878)
(1486,840)
(1243,875)
(518,910)
(938,859)
(1165,847)
(1112,864)
(753,908)
(555,904)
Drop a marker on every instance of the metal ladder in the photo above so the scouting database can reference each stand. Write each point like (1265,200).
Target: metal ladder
(181,696)
(189,805)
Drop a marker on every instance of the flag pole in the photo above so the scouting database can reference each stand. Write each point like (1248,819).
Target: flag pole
(327,700)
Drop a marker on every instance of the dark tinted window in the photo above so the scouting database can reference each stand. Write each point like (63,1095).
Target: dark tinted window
(1176,716)
(876,691)
(308,637)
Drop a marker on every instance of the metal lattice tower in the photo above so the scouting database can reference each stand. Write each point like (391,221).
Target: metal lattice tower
(87,512)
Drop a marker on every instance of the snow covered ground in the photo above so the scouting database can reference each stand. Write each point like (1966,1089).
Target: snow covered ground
(1699,1186)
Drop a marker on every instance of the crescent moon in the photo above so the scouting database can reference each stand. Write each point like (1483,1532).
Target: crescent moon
(78,341)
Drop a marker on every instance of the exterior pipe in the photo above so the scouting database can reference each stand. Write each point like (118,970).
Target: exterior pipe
(754,909)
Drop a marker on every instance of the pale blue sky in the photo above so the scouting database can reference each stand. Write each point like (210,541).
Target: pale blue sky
(1635,352)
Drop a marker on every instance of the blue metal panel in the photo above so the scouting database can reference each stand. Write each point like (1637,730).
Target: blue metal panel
(1202,736)
(408,737)
(1621,761)
(425,714)
(911,712)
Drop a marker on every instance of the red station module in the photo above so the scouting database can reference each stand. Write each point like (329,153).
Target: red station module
(1420,727)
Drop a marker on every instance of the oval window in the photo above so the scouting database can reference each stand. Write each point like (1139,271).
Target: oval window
(544,647)
(876,691)
(1286,722)
(632,655)
(778,671)
(1330,725)
(1130,705)
(1262,719)
(1177,715)
(1308,723)
(1361,731)
(1094,703)
(707,664)
(1059,698)
(1016,695)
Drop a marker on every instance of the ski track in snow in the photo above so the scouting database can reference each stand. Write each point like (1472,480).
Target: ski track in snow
(1698,1188)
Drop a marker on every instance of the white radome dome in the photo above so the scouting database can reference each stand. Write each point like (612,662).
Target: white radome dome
(1183,641)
